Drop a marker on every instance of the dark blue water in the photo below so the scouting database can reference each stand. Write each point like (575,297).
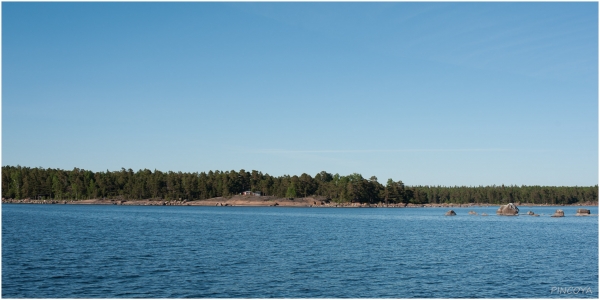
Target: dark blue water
(58,251)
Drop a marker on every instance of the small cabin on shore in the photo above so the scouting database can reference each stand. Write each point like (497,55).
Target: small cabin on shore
(251,193)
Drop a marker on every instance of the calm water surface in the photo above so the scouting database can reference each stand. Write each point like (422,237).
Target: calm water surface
(70,251)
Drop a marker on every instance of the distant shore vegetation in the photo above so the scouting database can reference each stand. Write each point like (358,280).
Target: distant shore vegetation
(78,184)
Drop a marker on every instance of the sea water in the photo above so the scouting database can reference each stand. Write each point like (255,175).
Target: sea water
(95,251)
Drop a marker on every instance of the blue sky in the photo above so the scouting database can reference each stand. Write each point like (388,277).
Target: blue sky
(426,93)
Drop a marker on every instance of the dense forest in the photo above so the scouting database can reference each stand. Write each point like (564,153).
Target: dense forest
(39,183)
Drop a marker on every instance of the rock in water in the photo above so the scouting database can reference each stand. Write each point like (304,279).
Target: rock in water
(484,214)
(508,210)
(530,213)
(472,213)
(559,213)
(583,212)
(450,213)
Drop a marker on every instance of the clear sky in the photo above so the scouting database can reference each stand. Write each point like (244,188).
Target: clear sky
(426,93)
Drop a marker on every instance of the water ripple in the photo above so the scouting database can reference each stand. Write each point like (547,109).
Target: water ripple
(237,252)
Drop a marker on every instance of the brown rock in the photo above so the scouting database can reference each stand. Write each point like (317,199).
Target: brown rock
(472,212)
(559,213)
(530,213)
(450,213)
(583,212)
(508,210)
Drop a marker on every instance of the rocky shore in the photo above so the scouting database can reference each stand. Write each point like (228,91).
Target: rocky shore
(258,201)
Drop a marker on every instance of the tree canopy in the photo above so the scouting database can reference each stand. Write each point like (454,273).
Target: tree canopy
(39,183)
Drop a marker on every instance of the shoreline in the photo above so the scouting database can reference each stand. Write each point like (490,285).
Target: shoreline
(267,201)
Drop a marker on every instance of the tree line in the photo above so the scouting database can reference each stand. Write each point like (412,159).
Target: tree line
(56,184)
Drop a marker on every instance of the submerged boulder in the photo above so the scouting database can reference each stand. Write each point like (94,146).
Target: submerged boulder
(559,213)
(508,210)
(472,212)
(484,214)
(583,212)
(530,213)
(450,213)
